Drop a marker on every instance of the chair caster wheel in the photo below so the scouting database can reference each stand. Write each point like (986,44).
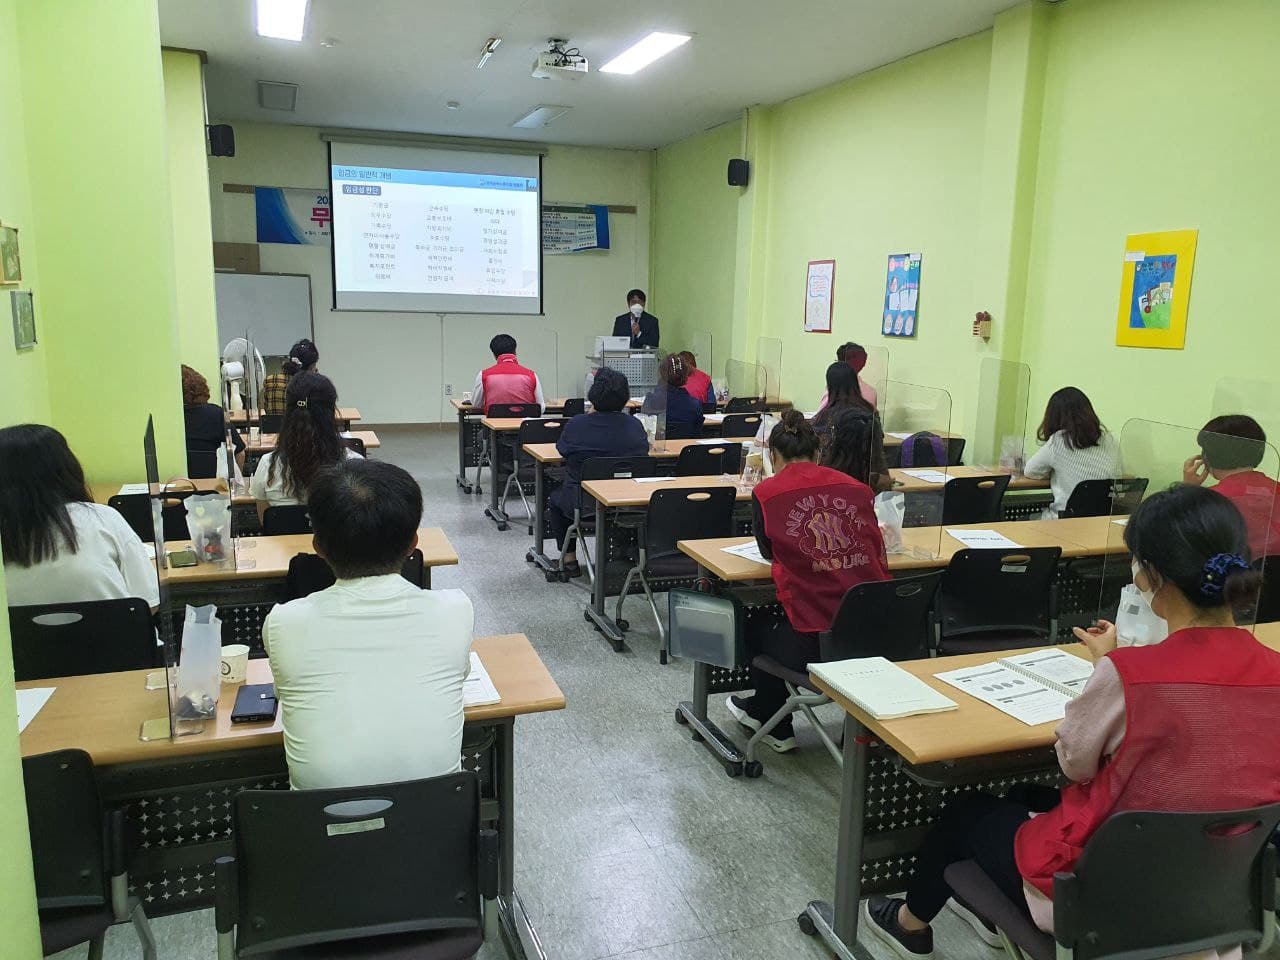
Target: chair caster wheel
(529,531)
(562,576)
(681,718)
(586,616)
(806,924)
(504,526)
(553,576)
(623,625)
(662,657)
(734,770)
(753,769)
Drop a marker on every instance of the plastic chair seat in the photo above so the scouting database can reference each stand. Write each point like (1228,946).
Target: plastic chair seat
(60,929)
(432,945)
(979,893)
(796,678)
(671,565)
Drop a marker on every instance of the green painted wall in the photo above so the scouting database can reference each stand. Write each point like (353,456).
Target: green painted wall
(192,227)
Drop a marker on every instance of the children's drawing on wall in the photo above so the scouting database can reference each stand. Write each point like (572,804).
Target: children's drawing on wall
(1155,289)
(901,295)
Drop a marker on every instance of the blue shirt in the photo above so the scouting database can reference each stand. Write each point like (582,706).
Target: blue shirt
(684,413)
(591,435)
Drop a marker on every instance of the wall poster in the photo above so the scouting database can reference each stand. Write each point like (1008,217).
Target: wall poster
(819,295)
(901,295)
(1155,288)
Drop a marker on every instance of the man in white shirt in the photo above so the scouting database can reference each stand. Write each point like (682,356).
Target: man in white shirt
(369,672)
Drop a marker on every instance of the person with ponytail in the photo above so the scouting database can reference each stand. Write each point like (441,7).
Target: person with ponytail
(309,439)
(842,394)
(818,528)
(855,446)
(1189,725)
(303,356)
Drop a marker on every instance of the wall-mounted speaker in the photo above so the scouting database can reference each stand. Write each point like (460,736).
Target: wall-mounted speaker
(739,172)
(222,140)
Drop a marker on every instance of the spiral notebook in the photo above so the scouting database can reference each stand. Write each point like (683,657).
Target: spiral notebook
(1032,687)
(883,689)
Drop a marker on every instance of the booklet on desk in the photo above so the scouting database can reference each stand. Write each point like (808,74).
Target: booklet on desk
(478,689)
(883,689)
(1032,687)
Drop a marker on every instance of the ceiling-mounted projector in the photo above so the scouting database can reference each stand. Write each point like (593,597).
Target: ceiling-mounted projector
(559,62)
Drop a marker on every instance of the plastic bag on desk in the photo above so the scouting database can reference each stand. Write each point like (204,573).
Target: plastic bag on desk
(209,523)
(200,665)
(891,510)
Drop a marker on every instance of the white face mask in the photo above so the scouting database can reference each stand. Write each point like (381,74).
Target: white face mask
(1148,596)
(637,309)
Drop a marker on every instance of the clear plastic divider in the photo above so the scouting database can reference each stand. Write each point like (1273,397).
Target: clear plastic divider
(918,445)
(875,374)
(538,349)
(744,380)
(1259,399)
(1000,430)
(769,358)
(702,346)
(653,414)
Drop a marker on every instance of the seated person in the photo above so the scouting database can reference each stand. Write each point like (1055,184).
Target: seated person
(699,384)
(856,448)
(1187,725)
(818,552)
(309,439)
(1077,447)
(206,423)
(506,381)
(607,431)
(303,356)
(842,394)
(683,413)
(1231,448)
(855,355)
(60,546)
(369,672)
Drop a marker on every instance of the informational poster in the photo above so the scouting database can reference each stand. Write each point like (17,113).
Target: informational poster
(901,295)
(572,228)
(1155,288)
(289,215)
(819,295)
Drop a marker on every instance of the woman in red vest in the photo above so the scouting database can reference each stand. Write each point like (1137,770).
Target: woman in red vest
(698,385)
(1188,725)
(818,527)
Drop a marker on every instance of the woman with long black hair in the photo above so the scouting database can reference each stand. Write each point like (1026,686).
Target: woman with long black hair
(309,439)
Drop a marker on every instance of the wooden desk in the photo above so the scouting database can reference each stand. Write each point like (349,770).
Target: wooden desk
(241,418)
(903,482)
(102,492)
(629,493)
(267,442)
(662,450)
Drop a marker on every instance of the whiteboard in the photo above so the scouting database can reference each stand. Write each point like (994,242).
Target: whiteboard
(274,307)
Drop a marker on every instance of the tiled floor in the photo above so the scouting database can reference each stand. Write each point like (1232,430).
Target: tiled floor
(631,841)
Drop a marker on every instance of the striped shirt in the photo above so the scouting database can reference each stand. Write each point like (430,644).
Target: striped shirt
(1064,466)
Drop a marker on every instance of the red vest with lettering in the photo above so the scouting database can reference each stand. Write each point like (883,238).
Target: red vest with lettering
(508,382)
(822,527)
(1202,733)
(698,384)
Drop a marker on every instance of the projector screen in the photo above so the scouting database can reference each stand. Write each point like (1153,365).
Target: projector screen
(435,230)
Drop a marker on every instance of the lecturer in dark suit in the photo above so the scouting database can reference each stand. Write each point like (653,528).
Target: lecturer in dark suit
(636,323)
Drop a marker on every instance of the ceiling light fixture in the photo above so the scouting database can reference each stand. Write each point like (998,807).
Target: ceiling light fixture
(487,50)
(281,19)
(540,116)
(644,52)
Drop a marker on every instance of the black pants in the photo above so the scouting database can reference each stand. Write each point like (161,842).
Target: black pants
(772,635)
(560,523)
(978,827)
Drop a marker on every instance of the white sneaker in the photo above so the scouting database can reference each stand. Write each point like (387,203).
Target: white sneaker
(779,744)
(986,933)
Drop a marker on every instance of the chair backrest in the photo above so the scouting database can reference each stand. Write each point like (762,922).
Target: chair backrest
(541,431)
(890,619)
(710,407)
(992,590)
(278,521)
(1102,498)
(65,820)
(75,639)
(309,573)
(202,464)
(924,449)
(356,444)
(709,460)
(319,866)
(687,513)
(136,510)
(512,411)
(272,422)
(740,426)
(1268,608)
(574,406)
(744,405)
(1154,885)
(615,468)
(973,499)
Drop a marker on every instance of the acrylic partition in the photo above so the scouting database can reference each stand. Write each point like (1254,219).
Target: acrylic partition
(539,350)
(163,724)
(769,357)
(1000,428)
(702,346)
(1259,399)
(653,414)
(1155,456)
(876,374)
(743,380)
(917,440)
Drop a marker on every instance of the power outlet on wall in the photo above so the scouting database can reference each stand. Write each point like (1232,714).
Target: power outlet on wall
(448,389)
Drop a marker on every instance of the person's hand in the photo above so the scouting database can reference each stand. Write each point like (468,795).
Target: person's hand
(1195,471)
(1100,638)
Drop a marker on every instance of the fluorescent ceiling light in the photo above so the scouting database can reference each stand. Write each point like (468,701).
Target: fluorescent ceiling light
(488,50)
(540,116)
(643,53)
(282,19)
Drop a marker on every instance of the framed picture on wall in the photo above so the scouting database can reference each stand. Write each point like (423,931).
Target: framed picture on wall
(10,261)
(24,319)
(901,295)
(1155,289)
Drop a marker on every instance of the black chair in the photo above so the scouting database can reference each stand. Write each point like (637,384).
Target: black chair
(1147,885)
(136,510)
(77,850)
(75,639)
(744,405)
(599,468)
(993,599)
(709,460)
(202,464)
(1268,605)
(531,431)
(504,411)
(687,513)
(272,422)
(309,573)
(1104,498)
(396,870)
(709,408)
(574,406)
(740,426)
(356,444)
(281,521)
(889,618)
(973,499)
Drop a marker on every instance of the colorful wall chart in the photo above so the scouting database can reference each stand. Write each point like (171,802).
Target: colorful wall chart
(1155,288)
(573,228)
(290,215)
(901,295)
(819,296)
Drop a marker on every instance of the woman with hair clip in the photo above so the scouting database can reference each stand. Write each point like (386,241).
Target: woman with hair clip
(1187,725)
(1076,447)
(309,439)
(818,527)
(303,356)
(684,413)
(856,447)
(842,394)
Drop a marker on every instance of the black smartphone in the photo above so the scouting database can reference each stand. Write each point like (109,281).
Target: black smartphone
(255,703)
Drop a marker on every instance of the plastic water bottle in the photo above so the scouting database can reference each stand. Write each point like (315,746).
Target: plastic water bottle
(1136,623)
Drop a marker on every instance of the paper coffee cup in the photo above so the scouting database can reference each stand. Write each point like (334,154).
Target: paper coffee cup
(235,663)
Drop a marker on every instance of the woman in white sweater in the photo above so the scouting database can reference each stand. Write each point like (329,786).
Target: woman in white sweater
(1076,447)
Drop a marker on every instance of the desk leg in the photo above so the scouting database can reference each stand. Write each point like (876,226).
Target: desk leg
(838,926)
(694,714)
(493,511)
(536,555)
(521,938)
(463,482)
(595,614)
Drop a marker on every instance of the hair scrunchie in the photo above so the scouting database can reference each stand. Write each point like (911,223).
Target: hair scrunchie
(1216,571)
(301,403)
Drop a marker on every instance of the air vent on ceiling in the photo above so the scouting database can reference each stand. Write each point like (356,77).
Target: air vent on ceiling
(277,96)
(540,116)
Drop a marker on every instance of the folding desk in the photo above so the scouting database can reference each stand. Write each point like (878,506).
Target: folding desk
(267,441)
(242,418)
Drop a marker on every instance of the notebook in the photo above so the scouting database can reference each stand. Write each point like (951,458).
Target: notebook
(478,689)
(1032,687)
(883,689)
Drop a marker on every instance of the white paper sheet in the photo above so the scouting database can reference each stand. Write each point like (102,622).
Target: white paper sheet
(652,479)
(748,551)
(712,441)
(131,488)
(1121,522)
(928,476)
(881,688)
(1064,669)
(1010,692)
(30,703)
(900,436)
(478,688)
(979,539)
